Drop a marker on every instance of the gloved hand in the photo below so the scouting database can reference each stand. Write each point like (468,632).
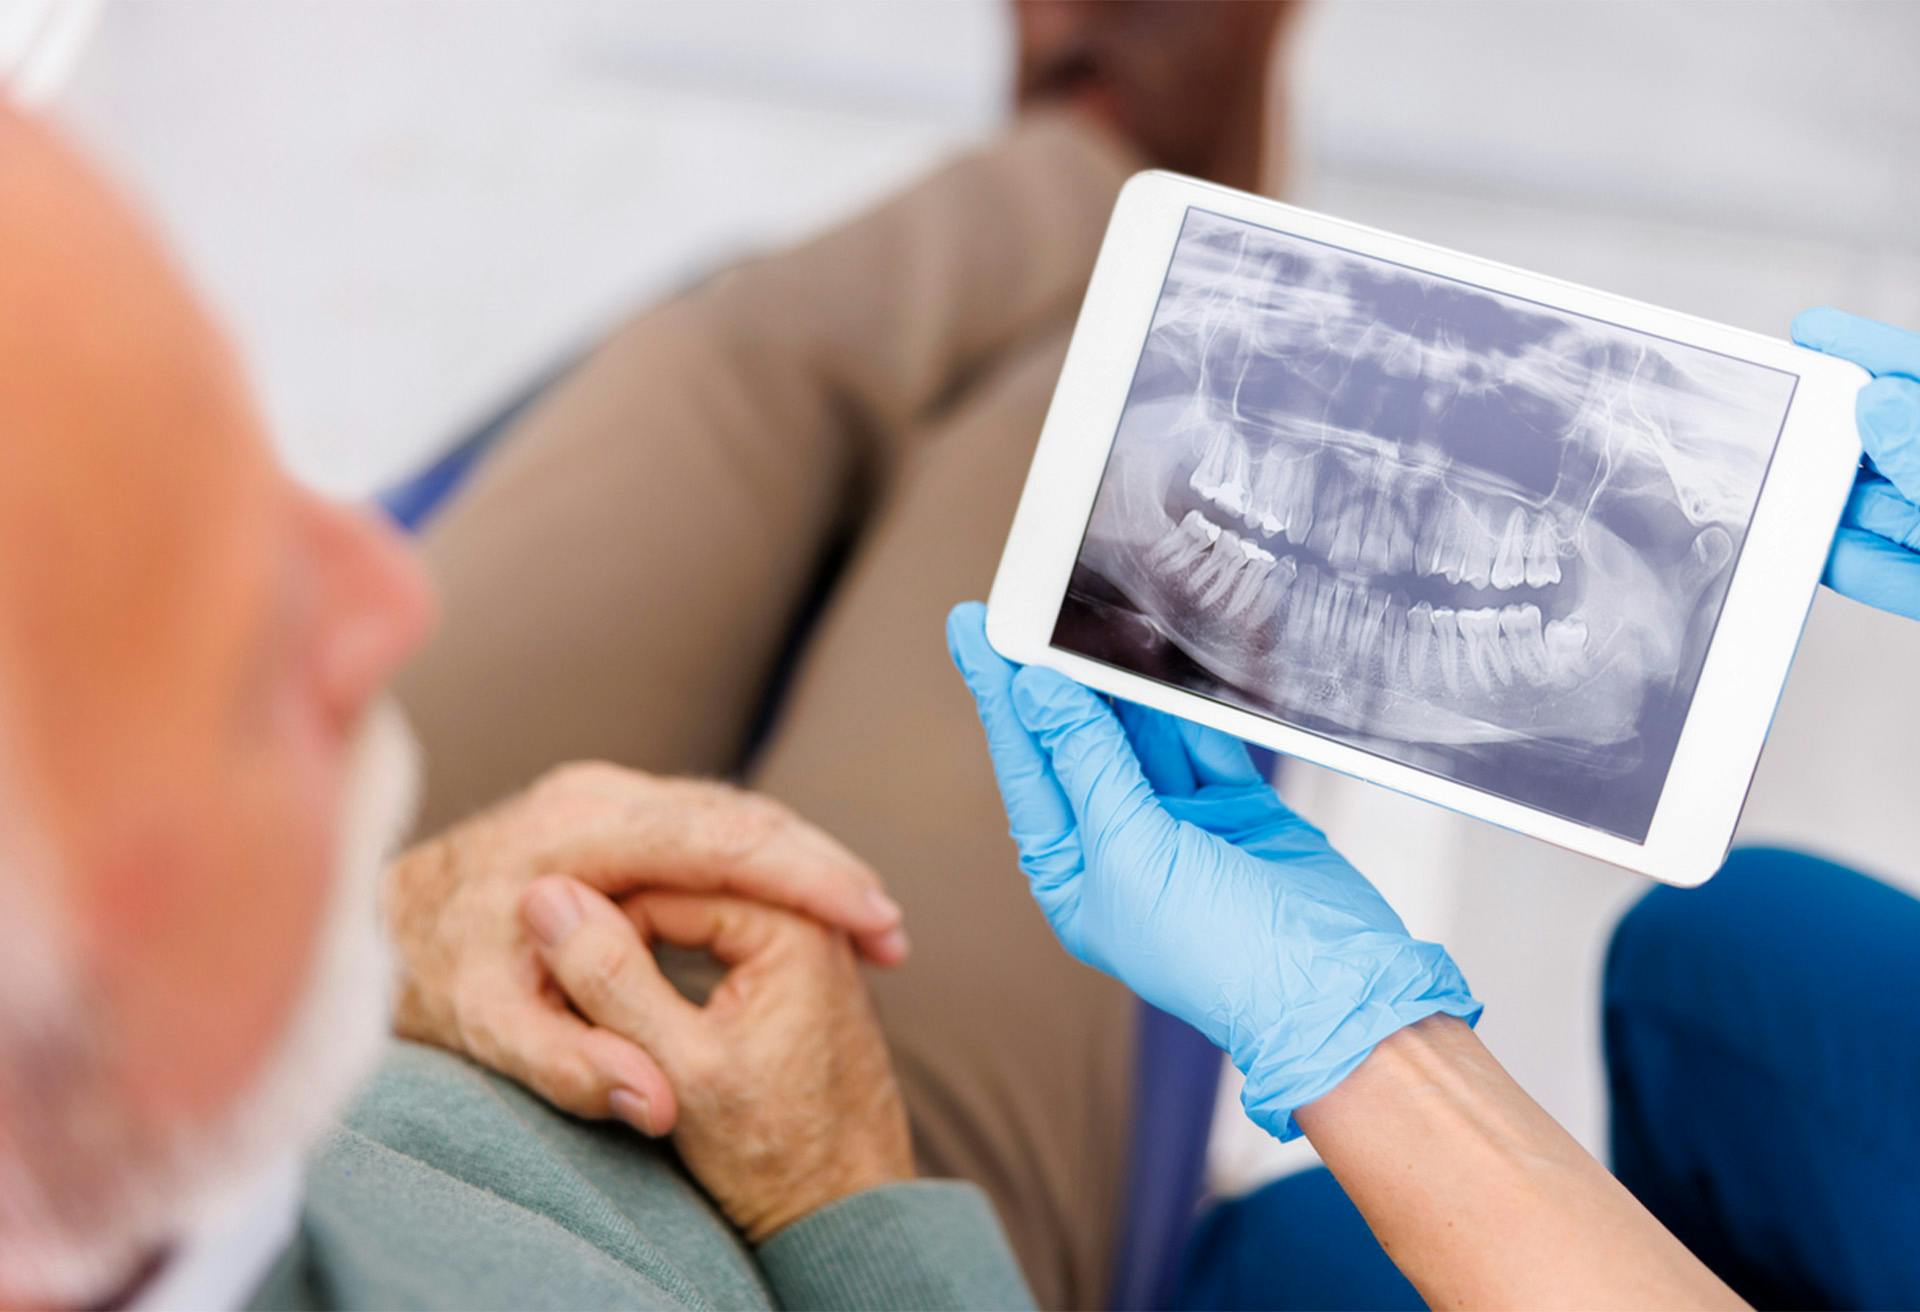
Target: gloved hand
(1161,857)
(1876,553)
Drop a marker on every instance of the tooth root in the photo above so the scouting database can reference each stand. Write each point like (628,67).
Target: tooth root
(1272,592)
(1394,640)
(1176,552)
(1161,553)
(1239,598)
(1481,631)
(1248,585)
(1338,615)
(1498,657)
(1319,624)
(1446,647)
(1371,622)
(1217,578)
(1543,556)
(1419,640)
(1216,573)
(1510,558)
(1567,651)
(1233,556)
(1301,603)
(1470,638)
(1520,634)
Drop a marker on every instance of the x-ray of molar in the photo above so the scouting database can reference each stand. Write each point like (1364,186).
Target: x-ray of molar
(1417,513)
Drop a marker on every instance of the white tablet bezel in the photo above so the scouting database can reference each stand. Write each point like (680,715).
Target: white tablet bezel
(1777,570)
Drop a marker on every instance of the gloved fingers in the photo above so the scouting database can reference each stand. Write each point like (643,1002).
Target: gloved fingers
(1162,748)
(1037,812)
(1094,763)
(1879,508)
(1218,758)
(1179,756)
(1888,413)
(1870,569)
(1877,347)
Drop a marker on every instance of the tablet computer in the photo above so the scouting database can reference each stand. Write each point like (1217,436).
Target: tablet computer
(1530,551)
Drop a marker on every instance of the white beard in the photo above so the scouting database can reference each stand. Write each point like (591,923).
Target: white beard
(86,1193)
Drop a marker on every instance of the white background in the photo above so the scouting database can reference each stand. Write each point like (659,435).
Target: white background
(404,208)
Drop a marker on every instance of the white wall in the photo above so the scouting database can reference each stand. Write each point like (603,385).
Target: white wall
(403,207)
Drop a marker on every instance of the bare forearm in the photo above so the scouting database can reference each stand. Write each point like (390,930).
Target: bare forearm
(1480,1197)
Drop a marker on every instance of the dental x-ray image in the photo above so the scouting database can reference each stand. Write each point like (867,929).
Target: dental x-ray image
(1459,529)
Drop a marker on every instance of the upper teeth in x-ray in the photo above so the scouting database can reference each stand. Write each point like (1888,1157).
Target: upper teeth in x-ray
(1413,511)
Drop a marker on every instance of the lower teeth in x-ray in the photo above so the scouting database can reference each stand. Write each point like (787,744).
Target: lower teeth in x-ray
(1462,530)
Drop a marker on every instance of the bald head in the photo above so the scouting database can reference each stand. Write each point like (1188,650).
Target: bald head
(138,492)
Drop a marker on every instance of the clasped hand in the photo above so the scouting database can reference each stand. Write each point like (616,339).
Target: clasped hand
(778,1090)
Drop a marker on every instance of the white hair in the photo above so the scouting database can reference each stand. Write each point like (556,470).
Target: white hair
(89,1188)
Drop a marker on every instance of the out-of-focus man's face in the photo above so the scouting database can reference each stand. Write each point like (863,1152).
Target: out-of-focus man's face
(189,648)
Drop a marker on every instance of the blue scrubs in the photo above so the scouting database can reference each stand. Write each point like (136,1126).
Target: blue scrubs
(1763,1052)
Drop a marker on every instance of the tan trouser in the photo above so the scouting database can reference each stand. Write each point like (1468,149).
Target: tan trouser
(620,579)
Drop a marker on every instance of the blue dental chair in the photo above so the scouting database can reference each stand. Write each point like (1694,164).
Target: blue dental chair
(1177,1071)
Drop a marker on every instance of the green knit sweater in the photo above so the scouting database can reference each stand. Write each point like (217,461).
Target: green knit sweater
(448,1187)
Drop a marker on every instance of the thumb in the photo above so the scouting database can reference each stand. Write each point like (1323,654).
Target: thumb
(598,958)
(1116,807)
(1879,348)
(1888,411)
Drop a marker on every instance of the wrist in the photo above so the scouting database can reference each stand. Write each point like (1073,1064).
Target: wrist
(1287,1069)
(823,1190)
(1414,1061)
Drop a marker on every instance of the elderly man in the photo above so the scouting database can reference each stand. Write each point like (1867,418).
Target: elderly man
(189,672)
(197,786)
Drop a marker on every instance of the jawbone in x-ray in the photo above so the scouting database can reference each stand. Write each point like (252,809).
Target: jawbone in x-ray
(1459,529)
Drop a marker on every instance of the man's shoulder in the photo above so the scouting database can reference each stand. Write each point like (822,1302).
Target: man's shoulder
(446,1185)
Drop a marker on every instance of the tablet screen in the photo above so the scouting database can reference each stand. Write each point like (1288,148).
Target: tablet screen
(1467,531)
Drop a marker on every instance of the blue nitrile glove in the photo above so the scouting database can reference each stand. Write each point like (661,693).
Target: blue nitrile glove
(1876,553)
(1161,857)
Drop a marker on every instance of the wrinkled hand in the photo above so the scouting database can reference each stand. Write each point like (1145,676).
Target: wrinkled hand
(1876,552)
(787,1099)
(1160,856)
(471,979)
